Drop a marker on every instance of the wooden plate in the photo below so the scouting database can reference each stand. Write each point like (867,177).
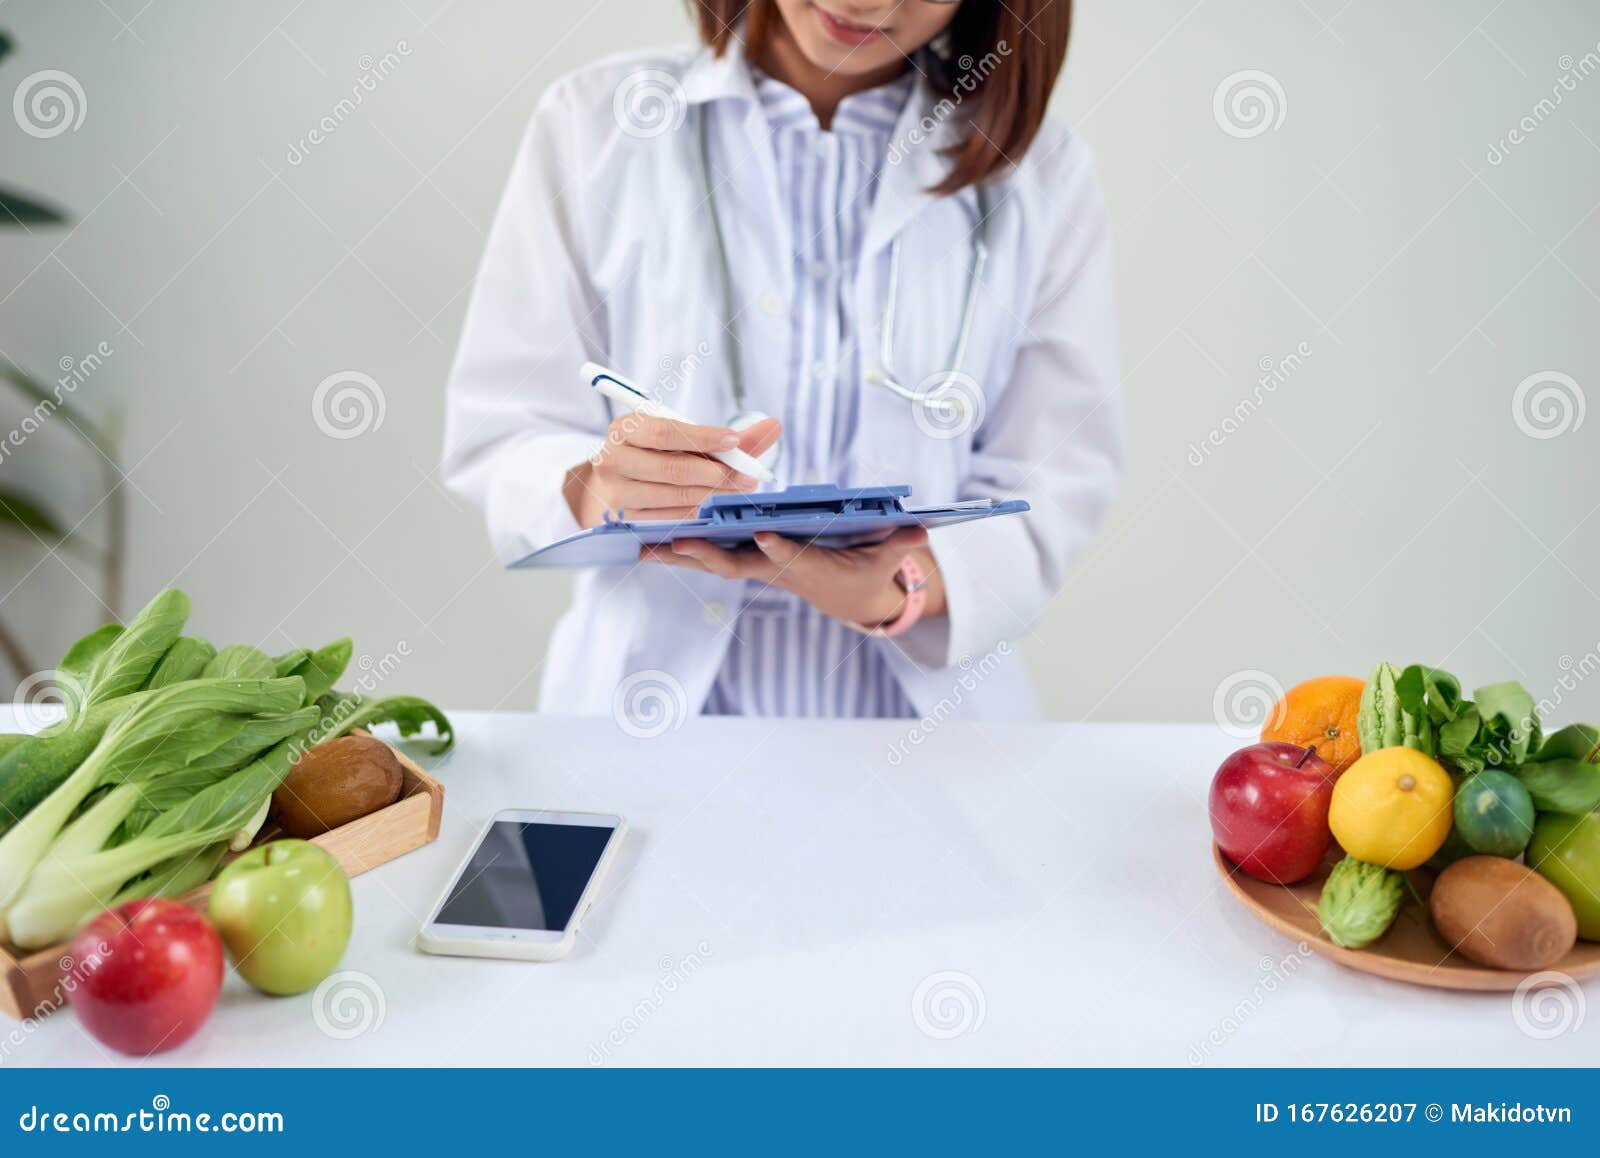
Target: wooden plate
(1410,951)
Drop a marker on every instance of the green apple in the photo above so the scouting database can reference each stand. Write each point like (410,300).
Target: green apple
(284,913)
(1565,850)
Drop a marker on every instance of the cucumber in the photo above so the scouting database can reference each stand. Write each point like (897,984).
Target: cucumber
(36,767)
(10,740)
(1494,813)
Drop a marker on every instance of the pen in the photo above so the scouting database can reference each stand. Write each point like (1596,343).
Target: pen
(617,388)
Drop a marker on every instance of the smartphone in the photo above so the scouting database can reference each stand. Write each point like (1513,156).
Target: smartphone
(525,887)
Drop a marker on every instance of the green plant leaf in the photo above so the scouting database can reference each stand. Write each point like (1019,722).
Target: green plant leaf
(19,209)
(128,661)
(322,668)
(239,661)
(185,660)
(1564,775)
(343,712)
(22,513)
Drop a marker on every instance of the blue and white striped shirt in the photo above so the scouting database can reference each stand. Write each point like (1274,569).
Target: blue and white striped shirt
(787,658)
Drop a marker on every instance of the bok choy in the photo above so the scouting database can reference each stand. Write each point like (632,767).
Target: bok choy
(169,755)
(161,736)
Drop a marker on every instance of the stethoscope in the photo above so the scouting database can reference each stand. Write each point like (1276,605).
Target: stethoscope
(943,403)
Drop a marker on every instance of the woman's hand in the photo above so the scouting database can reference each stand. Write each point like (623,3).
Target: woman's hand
(855,584)
(654,468)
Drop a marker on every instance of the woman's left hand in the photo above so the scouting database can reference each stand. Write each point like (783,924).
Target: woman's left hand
(855,584)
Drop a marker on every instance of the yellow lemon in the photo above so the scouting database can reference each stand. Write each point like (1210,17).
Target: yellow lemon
(1392,807)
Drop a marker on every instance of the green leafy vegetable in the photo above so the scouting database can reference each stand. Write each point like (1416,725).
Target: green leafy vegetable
(73,671)
(322,668)
(240,661)
(290,661)
(176,875)
(1509,725)
(252,740)
(1564,775)
(162,735)
(1423,708)
(185,660)
(1360,902)
(171,752)
(131,656)
(410,714)
(65,891)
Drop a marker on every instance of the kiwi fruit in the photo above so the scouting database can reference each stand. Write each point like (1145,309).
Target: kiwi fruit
(1498,913)
(335,783)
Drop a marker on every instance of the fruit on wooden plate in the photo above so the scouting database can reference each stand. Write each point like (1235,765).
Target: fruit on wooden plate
(1320,713)
(146,975)
(1269,811)
(1565,850)
(335,783)
(1501,914)
(1494,813)
(1359,902)
(1392,808)
(284,912)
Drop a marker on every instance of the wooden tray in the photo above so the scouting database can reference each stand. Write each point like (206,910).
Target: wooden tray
(33,983)
(1410,951)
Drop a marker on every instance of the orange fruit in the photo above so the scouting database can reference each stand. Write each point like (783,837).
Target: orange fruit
(1320,714)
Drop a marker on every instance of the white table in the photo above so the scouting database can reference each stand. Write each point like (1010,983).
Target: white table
(786,891)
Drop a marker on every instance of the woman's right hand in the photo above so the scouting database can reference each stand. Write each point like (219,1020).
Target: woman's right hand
(655,468)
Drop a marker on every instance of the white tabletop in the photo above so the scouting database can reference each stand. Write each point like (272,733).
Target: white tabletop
(789,895)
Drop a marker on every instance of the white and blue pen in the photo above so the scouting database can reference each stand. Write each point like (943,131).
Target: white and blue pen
(617,388)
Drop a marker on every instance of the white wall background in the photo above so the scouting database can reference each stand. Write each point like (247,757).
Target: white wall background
(1382,502)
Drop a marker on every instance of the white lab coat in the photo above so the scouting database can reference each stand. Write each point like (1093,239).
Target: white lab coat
(601,250)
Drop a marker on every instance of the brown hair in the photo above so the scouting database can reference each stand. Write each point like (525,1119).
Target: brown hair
(1021,44)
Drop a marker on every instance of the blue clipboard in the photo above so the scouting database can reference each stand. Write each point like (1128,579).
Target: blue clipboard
(825,515)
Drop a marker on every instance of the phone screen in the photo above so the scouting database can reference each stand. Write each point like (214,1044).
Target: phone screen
(525,875)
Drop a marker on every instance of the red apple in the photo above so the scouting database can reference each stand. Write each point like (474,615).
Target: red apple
(1269,811)
(146,975)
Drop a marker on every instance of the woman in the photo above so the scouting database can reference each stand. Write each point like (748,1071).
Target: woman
(724,226)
